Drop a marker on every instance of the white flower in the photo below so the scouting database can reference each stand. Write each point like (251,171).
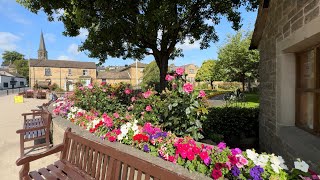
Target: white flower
(301,165)
(276,168)
(120,137)
(262,160)
(252,155)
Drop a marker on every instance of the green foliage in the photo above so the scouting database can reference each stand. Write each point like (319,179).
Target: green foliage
(232,122)
(131,29)
(22,67)
(207,72)
(151,75)
(236,61)
(10,57)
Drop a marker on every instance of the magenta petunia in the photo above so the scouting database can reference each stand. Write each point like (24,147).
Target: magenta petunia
(188,88)
(180,71)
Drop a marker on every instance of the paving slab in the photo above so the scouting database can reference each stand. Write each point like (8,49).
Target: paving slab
(10,121)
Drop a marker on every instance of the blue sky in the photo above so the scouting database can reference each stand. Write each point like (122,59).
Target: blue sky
(20,31)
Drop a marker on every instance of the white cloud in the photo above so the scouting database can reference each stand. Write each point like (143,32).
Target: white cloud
(73,49)
(83,34)
(64,57)
(7,8)
(187,46)
(8,41)
(50,37)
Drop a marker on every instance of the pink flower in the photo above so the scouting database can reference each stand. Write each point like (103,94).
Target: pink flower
(190,155)
(133,99)
(188,88)
(216,173)
(183,154)
(103,83)
(236,151)
(81,88)
(222,145)
(180,71)
(127,91)
(147,94)
(128,117)
(107,120)
(148,108)
(169,77)
(203,155)
(196,150)
(202,94)
(241,161)
(116,115)
(90,86)
(104,90)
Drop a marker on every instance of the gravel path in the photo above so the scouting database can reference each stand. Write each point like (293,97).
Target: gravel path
(10,121)
(217,101)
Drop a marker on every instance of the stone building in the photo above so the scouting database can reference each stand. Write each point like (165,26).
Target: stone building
(44,72)
(287,33)
(190,69)
(132,74)
(10,79)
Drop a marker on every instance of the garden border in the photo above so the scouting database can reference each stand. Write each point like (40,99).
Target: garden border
(59,125)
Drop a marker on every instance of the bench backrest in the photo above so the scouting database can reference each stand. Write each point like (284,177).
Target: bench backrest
(98,161)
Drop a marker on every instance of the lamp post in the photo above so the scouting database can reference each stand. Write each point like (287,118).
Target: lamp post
(137,72)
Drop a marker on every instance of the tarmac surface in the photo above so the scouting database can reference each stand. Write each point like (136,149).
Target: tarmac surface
(10,121)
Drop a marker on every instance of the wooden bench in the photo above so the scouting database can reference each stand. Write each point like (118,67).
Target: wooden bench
(29,94)
(36,125)
(81,158)
(41,95)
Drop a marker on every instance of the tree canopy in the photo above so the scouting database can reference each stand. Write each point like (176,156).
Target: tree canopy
(133,29)
(207,72)
(9,57)
(151,75)
(236,61)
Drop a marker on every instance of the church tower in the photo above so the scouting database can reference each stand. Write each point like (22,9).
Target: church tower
(42,52)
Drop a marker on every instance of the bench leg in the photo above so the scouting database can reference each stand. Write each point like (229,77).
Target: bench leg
(21,145)
(23,173)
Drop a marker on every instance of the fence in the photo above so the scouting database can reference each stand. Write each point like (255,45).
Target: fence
(13,91)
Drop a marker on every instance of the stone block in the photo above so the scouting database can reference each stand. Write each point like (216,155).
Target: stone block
(310,6)
(298,24)
(313,14)
(296,16)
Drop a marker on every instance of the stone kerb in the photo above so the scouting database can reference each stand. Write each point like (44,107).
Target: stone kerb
(59,125)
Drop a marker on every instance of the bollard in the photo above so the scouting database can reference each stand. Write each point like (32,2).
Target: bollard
(7,92)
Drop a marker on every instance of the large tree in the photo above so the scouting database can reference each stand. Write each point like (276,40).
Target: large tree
(236,61)
(207,72)
(9,57)
(151,75)
(135,28)
(22,67)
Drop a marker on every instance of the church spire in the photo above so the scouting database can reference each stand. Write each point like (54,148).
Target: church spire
(42,52)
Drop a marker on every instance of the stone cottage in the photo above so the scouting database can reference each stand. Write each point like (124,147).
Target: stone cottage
(287,33)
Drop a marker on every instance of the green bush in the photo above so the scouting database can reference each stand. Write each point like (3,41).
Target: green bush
(232,123)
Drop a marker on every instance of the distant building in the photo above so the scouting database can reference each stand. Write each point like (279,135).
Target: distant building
(190,69)
(131,74)
(44,72)
(9,79)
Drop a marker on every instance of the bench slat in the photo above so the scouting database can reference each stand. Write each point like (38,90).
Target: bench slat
(97,176)
(110,169)
(132,171)
(117,169)
(94,164)
(47,174)
(69,171)
(139,175)
(35,175)
(56,172)
(104,166)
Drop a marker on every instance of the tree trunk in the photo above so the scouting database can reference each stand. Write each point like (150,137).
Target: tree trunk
(243,83)
(211,83)
(162,62)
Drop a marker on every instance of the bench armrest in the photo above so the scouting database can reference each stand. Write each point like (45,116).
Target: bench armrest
(32,113)
(30,129)
(33,157)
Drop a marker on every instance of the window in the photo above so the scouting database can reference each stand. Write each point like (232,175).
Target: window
(191,71)
(69,72)
(47,72)
(21,83)
(85,72)
(308,90)
(104,80)
(6,84)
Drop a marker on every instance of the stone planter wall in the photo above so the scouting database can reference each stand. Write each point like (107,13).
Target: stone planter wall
(59,125)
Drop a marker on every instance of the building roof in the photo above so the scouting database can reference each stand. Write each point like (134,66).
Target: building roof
(62,64)
(6,71)
(133,65)
(113,75)
(42,46)
(260,24)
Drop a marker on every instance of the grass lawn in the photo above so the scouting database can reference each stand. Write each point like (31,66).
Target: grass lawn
(252,100)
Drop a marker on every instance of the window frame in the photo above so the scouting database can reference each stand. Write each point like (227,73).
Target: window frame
(83,72)
(302,90)
(49,71)
(69,72)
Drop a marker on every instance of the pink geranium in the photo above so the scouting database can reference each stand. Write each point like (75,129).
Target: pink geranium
(202,94)
(116,115)
(133,99)
(180,71)
(169,77)
(188,88)
(241,161)
(90,86)
(107,120)
(148,108)
(127,91)
(147,94)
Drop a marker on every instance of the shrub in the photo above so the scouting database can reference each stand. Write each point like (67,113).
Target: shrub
(229,85)
(232,122)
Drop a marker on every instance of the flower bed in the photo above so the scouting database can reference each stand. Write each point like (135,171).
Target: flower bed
(134,119)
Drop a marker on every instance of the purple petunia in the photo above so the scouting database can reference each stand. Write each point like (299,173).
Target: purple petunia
(235,171)
(146,148)
(255,172)
(207,161)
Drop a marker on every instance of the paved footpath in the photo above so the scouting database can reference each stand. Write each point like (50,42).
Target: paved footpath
(10,121)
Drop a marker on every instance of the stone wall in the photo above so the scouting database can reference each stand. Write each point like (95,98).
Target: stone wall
(285,18)
(60,124)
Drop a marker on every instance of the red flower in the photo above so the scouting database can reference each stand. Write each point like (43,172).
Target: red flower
(233,160)
(196,150)
(112,138)
(127,91)
(92,130)
(103,83)
(216,174)
(190,155)
(203,155)
(171,158)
